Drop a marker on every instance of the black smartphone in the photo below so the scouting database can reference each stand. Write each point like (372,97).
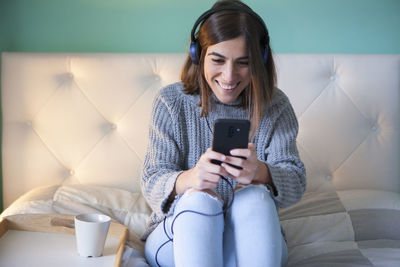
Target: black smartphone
(230,134)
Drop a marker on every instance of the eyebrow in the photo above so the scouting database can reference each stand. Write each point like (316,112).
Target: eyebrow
(219,55)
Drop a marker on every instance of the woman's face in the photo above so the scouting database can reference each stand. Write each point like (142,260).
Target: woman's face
(226,69)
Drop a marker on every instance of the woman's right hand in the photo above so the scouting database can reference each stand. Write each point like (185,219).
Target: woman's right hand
(205,175)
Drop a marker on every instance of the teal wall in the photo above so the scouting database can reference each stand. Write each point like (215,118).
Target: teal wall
(296,26)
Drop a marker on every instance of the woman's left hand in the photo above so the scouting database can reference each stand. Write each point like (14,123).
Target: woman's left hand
(253,170)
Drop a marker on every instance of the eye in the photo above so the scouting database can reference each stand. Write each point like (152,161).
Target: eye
(243,63)
(218,60)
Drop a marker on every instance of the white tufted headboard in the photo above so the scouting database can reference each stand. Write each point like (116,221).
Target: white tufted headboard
(83,118)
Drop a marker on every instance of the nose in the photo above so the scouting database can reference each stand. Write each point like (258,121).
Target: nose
(229,72)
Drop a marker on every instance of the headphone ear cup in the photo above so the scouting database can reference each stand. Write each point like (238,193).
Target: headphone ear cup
(195,52)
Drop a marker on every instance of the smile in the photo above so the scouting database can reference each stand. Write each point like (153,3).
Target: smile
(227,86)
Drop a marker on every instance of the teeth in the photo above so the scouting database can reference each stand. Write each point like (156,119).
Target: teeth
(228,87)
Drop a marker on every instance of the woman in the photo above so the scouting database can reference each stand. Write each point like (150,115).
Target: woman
(229,73)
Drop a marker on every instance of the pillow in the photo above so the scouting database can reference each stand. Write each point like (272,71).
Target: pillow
(38,200)
(123,206)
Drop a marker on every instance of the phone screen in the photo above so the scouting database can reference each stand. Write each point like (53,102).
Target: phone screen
(230,134)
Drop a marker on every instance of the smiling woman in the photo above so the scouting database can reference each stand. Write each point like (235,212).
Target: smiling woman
(229,73)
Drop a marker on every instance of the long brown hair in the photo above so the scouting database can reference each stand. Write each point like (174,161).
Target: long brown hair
(226,25)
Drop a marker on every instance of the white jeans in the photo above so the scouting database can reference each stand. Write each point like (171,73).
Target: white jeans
(249,235)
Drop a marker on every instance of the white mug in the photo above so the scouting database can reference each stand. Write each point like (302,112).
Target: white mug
(91,232)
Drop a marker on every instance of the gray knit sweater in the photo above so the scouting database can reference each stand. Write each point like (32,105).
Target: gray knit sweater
(178,136)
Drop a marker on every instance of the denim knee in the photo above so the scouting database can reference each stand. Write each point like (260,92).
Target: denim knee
(199,201)
(253,197)
(254,192)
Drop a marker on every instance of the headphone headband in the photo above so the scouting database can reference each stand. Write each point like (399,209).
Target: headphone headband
(211,11)
(195,48)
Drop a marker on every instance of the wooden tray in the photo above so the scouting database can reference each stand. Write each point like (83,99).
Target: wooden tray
(59,224)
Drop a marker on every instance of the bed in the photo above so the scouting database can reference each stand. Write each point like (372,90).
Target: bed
(74,135)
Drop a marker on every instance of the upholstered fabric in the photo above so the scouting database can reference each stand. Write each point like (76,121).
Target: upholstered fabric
(79,118)
(344,228)
(348,110)
(83,118)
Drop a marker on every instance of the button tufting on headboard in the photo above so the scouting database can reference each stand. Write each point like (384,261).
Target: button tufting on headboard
(88,117)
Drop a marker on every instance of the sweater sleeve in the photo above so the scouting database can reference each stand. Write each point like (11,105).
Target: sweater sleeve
(281,155)
(162,161)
